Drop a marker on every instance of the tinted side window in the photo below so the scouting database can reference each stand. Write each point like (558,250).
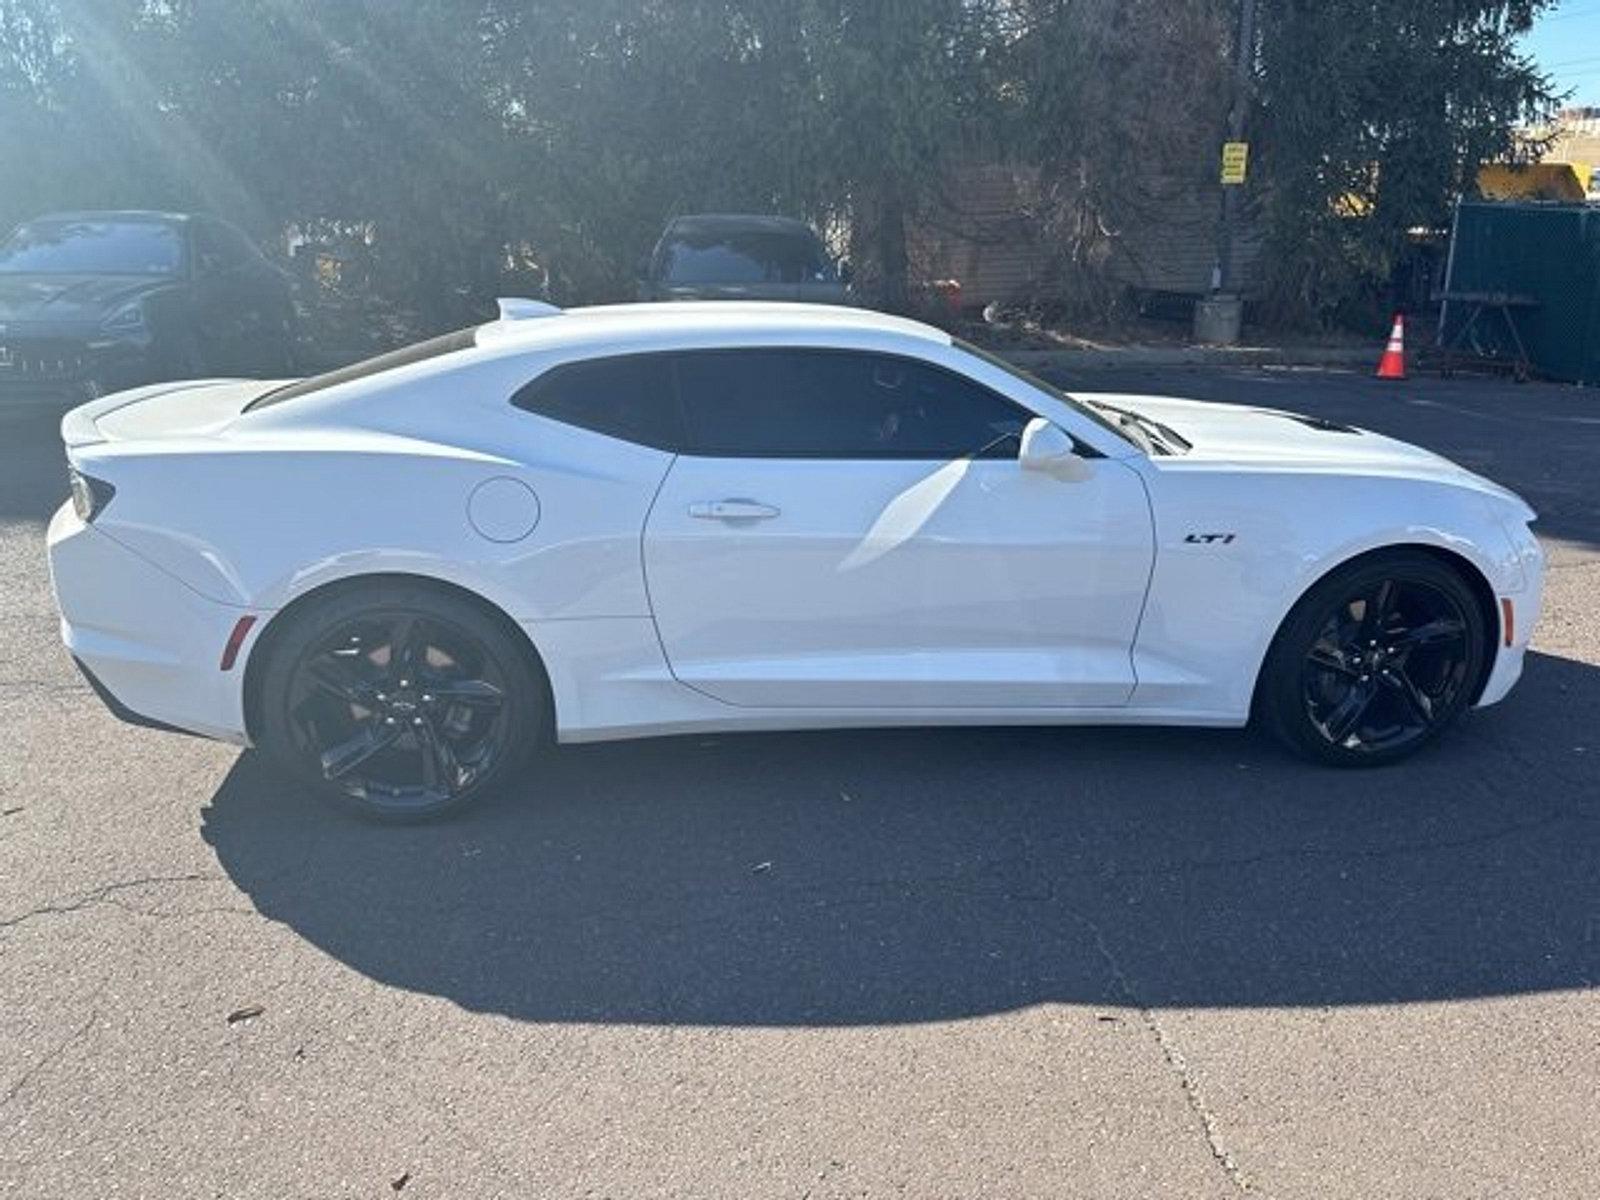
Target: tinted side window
(839,404)
(629,398)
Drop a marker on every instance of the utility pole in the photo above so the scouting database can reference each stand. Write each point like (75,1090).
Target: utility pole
(1243,64)
(1217,317)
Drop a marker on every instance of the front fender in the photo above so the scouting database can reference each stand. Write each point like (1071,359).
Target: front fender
(1215,605)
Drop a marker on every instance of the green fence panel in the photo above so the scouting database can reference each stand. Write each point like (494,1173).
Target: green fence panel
(1549,252)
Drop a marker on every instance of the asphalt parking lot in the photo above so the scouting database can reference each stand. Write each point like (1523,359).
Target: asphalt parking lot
(931,964)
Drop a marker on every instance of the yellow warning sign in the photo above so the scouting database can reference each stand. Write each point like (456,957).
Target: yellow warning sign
(1235,161)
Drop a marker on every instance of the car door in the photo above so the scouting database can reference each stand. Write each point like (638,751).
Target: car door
(850,529)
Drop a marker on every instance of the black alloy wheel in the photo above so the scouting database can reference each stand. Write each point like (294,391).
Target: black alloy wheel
(401,711)
(1376,661)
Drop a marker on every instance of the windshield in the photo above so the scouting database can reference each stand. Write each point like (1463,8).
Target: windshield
(745,256)
(1078,406)
(93,247)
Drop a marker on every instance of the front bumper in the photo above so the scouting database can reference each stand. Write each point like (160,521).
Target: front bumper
(151,645)
(1526,606)
(74,366)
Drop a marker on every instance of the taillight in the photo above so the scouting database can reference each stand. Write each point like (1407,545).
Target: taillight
(89,495)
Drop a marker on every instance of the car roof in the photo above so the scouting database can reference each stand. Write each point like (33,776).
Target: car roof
(710,322)
(713,223)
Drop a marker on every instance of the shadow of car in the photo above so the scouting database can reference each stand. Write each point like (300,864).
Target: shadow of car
(918,875)
(95,302)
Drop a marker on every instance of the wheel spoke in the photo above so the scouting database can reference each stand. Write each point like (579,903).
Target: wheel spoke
(350,754)
(476,693)
(1376,609)
(1434,633)
(337,677)
(1328,659)
(407,646)
(1347,714)
(1418,701)
(441,770)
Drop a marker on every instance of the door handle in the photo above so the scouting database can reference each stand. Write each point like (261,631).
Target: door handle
(733,510)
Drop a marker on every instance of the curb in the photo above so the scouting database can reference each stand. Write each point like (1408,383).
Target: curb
(1193,356)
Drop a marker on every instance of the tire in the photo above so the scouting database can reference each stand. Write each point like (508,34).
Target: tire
(401,702)
(1375,662)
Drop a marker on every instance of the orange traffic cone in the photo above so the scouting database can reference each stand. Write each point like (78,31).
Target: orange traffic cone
(1393,363)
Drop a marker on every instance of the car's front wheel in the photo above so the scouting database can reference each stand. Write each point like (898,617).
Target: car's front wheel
(1375,662)
(399,701)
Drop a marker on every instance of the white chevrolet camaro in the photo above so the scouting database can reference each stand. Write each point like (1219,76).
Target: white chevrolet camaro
(400,578)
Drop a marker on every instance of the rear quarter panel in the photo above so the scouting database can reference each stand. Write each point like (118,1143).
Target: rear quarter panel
(266,511)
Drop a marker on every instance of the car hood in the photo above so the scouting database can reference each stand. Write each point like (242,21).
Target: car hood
(27,299)
(1267,438)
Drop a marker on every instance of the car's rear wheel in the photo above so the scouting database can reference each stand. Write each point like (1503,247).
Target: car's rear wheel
(400,702)
(1376,661)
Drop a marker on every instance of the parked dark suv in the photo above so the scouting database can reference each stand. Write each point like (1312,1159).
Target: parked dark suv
(92,302)
(734,257)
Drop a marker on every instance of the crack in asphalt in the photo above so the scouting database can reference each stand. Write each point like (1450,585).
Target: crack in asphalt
(104,895)
(33,1072)
(1192,1093)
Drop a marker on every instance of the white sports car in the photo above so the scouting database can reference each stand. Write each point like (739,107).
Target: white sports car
(399,578)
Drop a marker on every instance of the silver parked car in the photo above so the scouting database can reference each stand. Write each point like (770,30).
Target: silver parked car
(740,257)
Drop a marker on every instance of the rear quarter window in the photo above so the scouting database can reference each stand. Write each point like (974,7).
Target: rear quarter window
(631,398)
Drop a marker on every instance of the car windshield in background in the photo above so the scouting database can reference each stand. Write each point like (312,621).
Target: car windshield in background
(93,248)
(752,256)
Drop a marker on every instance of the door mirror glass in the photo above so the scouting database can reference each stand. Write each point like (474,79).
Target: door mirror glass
(1049,448)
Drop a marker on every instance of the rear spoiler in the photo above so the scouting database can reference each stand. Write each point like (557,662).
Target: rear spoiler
(78,427)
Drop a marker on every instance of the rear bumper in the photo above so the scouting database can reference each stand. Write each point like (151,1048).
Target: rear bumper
(150,646)
(118,709)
